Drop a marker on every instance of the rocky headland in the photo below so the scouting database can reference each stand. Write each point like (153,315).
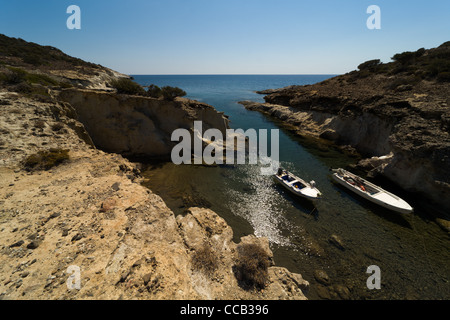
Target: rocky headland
(69,197)
(395,115)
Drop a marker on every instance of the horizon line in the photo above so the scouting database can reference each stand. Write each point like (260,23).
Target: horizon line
(235,74)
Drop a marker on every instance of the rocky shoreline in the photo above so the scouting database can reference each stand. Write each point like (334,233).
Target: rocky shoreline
(395,115)
(65,203)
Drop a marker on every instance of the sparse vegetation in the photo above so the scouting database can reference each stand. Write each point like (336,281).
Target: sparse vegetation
(167,92)
(403,82)
(251,269)
(22,87)
(127,86)
(45,160)
(433,64)
(170,93)
(371,64)
(29,83)
(408,57)
(34,55)
(13,76)
(41,79)
(154,91)
(205,259)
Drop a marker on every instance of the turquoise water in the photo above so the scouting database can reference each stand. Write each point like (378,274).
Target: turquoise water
(412,251)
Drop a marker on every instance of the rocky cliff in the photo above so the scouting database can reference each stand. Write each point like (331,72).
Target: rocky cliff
(66,204)
(136,125)
(398,113)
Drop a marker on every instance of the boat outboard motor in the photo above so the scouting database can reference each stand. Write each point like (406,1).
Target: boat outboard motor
(280,171)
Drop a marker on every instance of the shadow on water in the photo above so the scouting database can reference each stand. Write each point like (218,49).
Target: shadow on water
(185,186)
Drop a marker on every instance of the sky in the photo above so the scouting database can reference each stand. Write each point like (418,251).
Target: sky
(229,36)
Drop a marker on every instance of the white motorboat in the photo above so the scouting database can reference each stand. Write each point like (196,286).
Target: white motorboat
(296,185)
(371,192)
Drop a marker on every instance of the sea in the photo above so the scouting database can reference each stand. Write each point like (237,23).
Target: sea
(411,251)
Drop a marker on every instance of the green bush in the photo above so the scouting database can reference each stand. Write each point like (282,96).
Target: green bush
(14,75)
(405,57)
(40,79)
(21,87)
(32,59)
(371,64)
(170,93)
(251,270)
(154,91)
(127,86)
(437,66)
(408,57)
(420,52)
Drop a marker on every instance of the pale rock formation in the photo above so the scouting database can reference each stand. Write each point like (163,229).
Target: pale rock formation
(92,213)
(135,125)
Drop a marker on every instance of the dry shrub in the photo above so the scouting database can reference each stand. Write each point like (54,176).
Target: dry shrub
(251,270)
(45,160)
(205,259)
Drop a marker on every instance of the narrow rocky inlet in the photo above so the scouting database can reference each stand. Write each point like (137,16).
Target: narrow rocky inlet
(393,114)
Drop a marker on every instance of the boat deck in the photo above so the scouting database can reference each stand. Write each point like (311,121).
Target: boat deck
(383,197)
(373,192)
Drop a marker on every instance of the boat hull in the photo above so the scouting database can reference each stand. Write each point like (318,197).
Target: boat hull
(308,192)
(382,197)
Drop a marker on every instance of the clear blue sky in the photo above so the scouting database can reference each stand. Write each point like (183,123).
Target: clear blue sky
(229,36)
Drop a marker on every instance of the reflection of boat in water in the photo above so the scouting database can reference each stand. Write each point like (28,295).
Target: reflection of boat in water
(371,192)
(297,185)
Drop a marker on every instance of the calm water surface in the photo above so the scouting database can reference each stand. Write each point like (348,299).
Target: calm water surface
(411,250)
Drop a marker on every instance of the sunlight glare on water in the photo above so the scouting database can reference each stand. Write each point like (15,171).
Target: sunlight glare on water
(259,206)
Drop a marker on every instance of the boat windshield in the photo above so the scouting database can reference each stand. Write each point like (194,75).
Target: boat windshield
(287,178)
(298,185)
